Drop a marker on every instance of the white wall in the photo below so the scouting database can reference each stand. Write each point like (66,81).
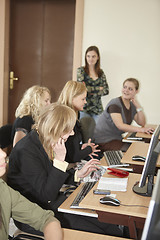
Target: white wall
(127,33)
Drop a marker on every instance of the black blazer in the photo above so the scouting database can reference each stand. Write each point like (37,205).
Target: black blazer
(74,144)
(31,172)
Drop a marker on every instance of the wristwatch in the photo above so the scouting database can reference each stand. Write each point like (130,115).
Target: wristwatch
(139,109)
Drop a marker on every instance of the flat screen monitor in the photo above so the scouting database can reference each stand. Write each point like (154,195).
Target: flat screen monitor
(151,230)
(145,186)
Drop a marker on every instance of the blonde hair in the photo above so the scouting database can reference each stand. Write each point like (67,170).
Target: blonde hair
(71,89)
(31,102)
(55,120)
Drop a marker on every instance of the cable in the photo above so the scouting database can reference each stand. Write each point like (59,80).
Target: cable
(133,205)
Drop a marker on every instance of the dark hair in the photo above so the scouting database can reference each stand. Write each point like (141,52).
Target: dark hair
(134,81)
(97,65)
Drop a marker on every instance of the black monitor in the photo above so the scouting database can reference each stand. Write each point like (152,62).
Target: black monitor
(145,187)
(151,230)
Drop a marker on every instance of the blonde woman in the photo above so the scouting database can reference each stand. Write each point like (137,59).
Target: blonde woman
(37,167)
(33,100)
(74,96)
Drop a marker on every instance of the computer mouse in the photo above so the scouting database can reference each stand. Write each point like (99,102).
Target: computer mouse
(110,201)
(138,158)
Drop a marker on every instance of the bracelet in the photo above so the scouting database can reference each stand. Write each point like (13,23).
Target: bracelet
(139,109)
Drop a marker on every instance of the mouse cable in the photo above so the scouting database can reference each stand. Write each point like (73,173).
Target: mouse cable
(133,205)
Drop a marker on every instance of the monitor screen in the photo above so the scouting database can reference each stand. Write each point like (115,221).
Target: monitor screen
(151,230)
(145,187)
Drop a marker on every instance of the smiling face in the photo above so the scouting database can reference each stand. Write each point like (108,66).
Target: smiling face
(91,58)
(79,101)
(129,90)
(2,162)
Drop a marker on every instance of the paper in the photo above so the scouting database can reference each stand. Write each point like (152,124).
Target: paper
(113,184)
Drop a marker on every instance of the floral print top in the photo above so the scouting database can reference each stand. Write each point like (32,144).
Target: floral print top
(94,103)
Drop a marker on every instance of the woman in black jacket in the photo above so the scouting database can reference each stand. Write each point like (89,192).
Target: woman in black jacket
(74,95)
(37,167)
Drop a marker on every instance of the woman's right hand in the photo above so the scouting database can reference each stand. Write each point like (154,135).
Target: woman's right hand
(90,166)
(147,130)
(60,150)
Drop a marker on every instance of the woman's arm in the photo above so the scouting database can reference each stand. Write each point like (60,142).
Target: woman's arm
(18,136)
(53,231)
(118,121)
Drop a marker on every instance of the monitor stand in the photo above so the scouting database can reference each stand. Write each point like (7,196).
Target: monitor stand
(143,191)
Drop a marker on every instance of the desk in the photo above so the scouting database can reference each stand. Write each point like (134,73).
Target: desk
(133,217)
(137,148)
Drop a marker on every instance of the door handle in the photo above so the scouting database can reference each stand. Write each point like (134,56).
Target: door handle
(11,79)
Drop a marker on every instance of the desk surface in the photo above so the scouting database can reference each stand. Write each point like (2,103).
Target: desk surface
(91,201)
(79,235)
(144,135)
(137,148)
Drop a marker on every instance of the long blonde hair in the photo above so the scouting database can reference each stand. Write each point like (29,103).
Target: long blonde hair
(54,121)
(71,89)
(31,102)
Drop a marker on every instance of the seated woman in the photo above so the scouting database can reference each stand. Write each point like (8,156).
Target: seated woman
(37,167)
(33,100)
(118,116)
(13,204)
(73,95)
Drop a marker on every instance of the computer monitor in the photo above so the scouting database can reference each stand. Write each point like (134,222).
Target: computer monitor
(145,187)
(151,230)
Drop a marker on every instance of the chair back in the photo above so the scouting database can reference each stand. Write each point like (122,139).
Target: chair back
(87,126)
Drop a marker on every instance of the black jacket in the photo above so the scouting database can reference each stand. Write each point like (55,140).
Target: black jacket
(31,172)
(74,144)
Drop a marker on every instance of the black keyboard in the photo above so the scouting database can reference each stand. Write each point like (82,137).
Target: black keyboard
(113,157)
(132,136)
(82,193)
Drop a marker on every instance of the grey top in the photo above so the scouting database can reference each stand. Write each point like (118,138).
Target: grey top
(106,130)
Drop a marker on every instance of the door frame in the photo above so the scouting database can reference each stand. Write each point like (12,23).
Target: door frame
(4,51)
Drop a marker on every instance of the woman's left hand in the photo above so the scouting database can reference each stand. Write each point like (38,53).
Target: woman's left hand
(88,168)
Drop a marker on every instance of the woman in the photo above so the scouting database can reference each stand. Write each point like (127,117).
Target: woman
(14,205)
(34,99)
(37,167)
(95,80)
(73,95)
(118,116)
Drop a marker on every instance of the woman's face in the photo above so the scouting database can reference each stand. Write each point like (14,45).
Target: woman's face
(79,101)
(46,99)
(129,91)
(2,162)
(91,58)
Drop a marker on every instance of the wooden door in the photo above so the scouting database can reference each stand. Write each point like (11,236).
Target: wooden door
(41,46)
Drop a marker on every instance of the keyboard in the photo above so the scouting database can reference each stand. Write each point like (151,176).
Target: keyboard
(113,159)
(82,193)
(132,136)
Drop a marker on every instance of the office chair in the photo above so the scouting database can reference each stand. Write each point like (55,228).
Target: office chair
(87,127)
(5,135)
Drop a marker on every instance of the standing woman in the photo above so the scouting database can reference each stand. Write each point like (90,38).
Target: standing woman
(95,80)
(33,100)
(118,116)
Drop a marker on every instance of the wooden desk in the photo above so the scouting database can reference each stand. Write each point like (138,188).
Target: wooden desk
(137,148)
(133,217)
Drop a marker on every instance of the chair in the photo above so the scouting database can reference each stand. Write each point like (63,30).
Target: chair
(87,125)
(5,135)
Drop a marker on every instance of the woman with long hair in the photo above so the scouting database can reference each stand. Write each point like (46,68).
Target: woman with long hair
(27,112)
(95,80)
(73,95)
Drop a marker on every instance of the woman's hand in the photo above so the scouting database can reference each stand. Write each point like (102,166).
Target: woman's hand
(147,130)
(92,145)
(88,168)
(59,150)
